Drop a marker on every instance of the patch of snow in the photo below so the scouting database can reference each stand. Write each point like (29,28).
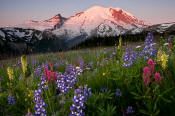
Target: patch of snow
(39,36)
(10,33)
(137,30)
(166,25)
(19,34)
(2,34)
(9,29)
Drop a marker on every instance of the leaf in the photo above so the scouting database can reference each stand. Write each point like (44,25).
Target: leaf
(166,100)
(144,112)
(135,94)
(157,112)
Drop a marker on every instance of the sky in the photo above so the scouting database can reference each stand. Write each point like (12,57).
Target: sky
(14,12)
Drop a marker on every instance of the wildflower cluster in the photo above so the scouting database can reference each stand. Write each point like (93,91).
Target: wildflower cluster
(43,84)
(80,96)
(118,92)
(148,50)
(49,74)
(128,57)
(24,64)
(148,72)
(10,74)
(39,103)
(67,80)
(37,71)
(11,99)
(162,58)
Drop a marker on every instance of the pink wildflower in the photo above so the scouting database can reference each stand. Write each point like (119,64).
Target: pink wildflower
(157,78)
(45,70)
(151,65)
(147,72)
(54,76)
(49,75)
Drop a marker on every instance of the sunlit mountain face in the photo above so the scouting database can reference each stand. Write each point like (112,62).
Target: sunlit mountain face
(95,20)
(100,21)
(51,23)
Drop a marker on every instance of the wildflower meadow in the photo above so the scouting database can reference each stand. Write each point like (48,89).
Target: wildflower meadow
(122,80)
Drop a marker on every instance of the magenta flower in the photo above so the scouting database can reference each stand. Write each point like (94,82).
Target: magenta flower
(49,73)
(51,64)
(157,78)
(45,70)
(147,72)
(151,65)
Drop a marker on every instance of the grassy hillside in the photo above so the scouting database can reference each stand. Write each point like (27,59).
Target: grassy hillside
(120,81)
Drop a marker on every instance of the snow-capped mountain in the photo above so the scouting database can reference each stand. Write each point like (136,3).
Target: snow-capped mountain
(54,22)
(99,21)
(18,41)
(159,28)
(19,34)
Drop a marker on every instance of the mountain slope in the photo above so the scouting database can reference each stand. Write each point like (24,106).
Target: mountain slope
(159,28)
(57,21)
(99,21)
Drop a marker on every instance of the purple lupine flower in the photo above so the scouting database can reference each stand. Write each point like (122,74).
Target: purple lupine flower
(127,59)
(134,55)
(67,80)
(78,70)
(148,50)
(118,92)
(39,103)
(37,71)
(129,110)
(42,84)
(80,96)
(11,99)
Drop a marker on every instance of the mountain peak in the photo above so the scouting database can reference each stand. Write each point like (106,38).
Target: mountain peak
(99,20)
(42,25)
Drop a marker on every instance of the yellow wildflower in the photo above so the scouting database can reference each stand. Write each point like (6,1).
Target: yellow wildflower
(28,110)
(24,64)
(104,74)
(162,58)
(120,43)
(10,73)
(30,93)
